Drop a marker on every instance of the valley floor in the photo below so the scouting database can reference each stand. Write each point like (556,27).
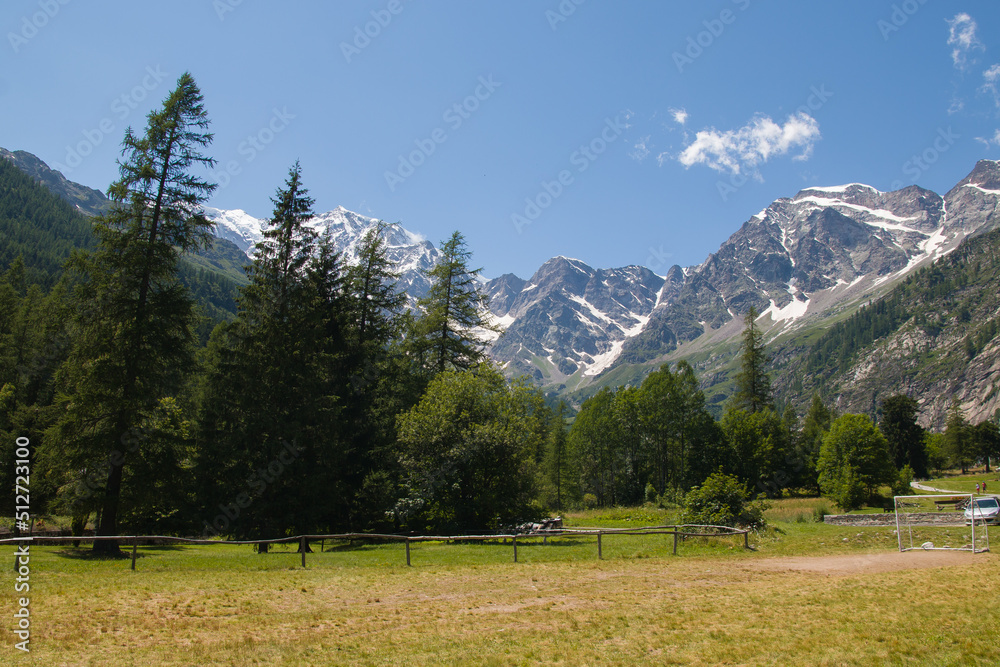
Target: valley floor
(809,594)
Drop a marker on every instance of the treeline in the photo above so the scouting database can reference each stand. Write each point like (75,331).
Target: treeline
(322,405)
(940,297)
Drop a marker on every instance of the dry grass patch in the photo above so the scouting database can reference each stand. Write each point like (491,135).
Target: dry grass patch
(728,607)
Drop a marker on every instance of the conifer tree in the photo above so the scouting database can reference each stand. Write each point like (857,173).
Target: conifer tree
(753,384)
(905,436)
(270,415)
(958,440)
(454,309)
(133,322)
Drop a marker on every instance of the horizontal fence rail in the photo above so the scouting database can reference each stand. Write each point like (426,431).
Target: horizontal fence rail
(678,532)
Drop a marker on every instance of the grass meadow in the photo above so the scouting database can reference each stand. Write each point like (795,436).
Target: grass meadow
(808,594)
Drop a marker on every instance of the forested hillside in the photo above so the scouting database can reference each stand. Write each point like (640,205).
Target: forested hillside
(37,226)
(43,228)
(932,337)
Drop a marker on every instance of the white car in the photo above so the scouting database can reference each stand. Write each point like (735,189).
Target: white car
(987,509)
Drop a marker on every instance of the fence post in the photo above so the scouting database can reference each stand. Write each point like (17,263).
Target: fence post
(302,547)
(746,539)
(515,548)
(135,543)
(675,542)
(600,555)
(407,552)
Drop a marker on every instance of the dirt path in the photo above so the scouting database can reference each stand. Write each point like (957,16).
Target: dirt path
(869,563)
(934,489)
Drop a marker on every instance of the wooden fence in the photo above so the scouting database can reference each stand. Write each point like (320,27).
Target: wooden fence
(678,532)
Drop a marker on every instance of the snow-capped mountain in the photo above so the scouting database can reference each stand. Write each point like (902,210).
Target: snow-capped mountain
(808,256)
(570,318)
(801,259)
(817,252)
(411,253)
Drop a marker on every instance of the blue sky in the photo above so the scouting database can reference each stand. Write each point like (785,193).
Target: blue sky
(627,132)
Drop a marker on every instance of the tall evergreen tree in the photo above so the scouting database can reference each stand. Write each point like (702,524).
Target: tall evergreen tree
(810,439)
(958,442)
(133,325)
(373,282)
(557,463)
(986,435)
(677,429)
(454,309)
(271,431)
(905,436)
(753,384)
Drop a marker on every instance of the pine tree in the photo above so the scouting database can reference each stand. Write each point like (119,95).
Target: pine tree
(454,309)
(958,440)
(753,384)
(271,430)
(373,282)
(557,462)
(905,436)
(814,428)
(133,325)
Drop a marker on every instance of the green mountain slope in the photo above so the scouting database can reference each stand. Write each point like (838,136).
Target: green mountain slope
(43,227)
(35,224)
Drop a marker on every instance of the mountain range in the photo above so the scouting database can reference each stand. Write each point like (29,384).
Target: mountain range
(804,262)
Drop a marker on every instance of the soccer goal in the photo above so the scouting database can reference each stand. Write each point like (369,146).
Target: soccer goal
(939,522)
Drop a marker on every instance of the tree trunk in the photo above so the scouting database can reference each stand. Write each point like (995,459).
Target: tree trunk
(109,514)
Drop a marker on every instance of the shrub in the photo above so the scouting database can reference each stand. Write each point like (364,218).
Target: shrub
(902,485)
(650,493)
(722,500)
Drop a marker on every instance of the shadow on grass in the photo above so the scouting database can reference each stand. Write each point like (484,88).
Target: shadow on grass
(86,553)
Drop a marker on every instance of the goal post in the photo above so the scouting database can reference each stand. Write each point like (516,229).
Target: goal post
(939,522)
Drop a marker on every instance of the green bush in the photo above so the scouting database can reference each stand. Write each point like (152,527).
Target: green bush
(722,500)
(902,485)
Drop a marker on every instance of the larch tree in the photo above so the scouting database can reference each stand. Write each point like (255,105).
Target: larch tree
(133,322)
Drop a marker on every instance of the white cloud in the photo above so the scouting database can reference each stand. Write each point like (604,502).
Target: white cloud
(641,149)
(987,142)
(991,78)
(680,116)
(962,36)
(753,144)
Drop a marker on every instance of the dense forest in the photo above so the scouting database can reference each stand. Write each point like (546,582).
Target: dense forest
(163,394)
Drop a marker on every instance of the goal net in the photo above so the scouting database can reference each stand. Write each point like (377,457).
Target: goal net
(940,522)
